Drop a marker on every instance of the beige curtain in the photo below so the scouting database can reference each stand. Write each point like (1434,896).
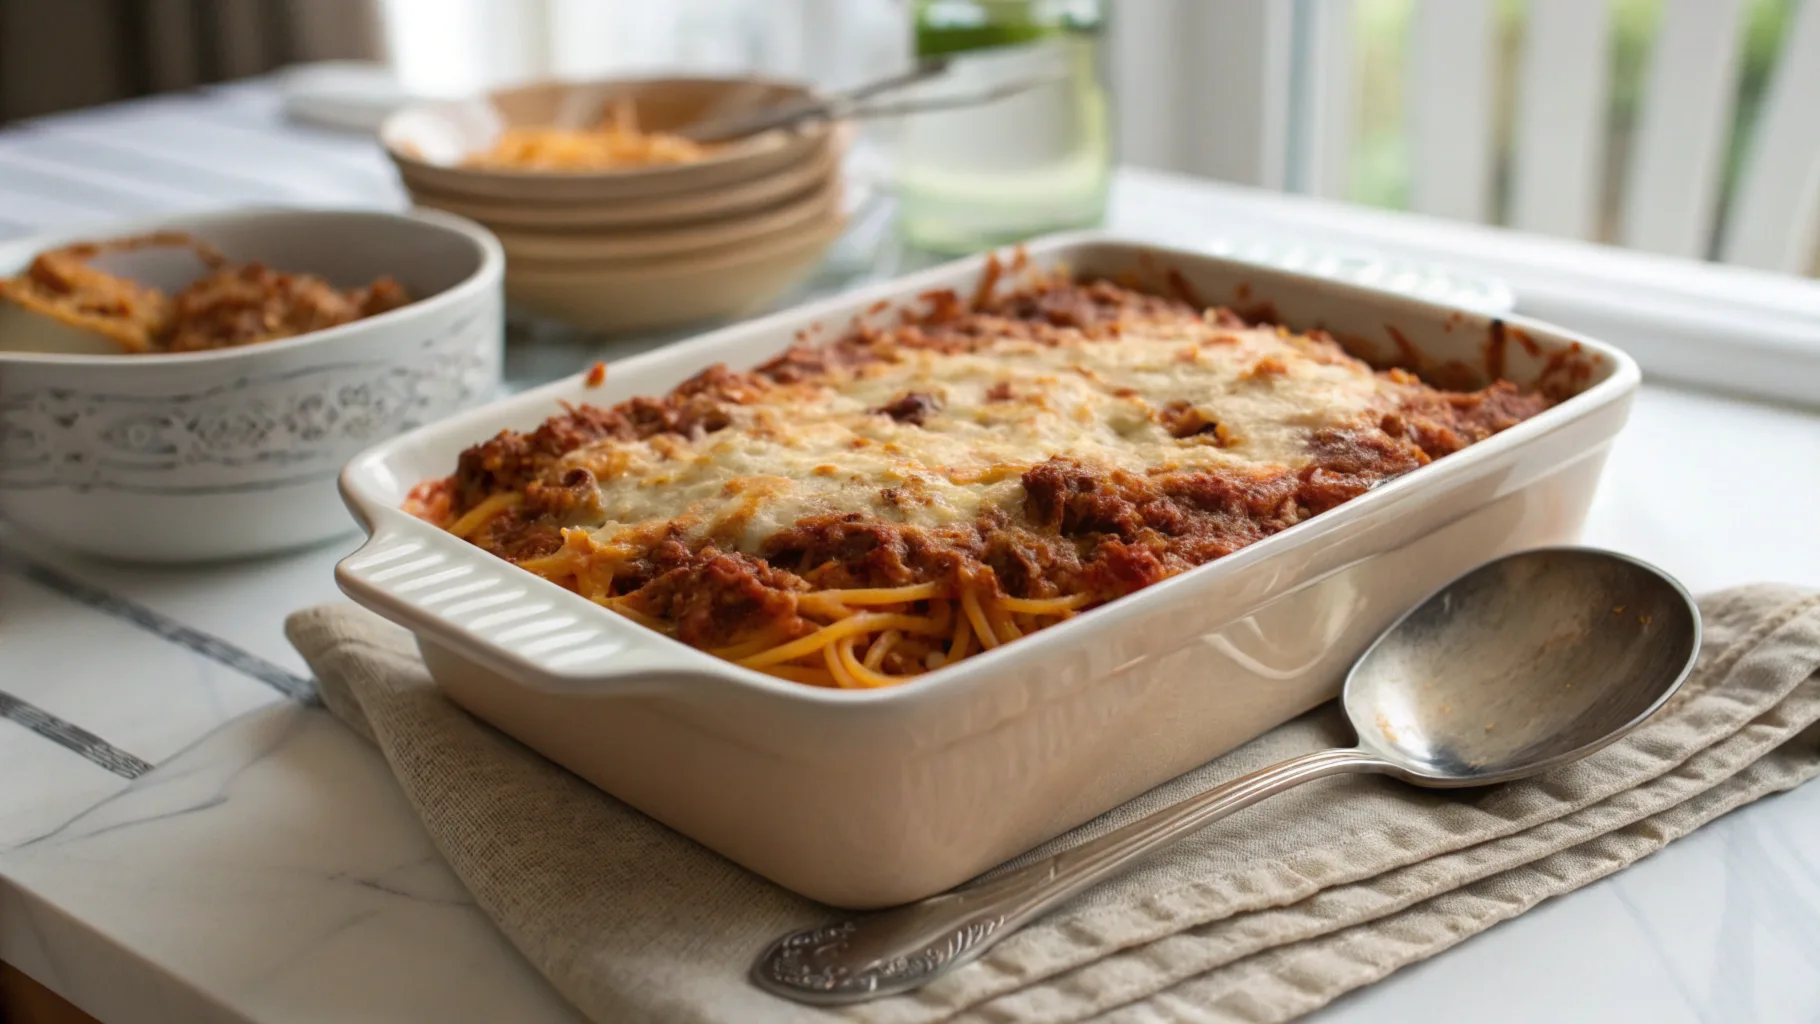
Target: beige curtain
(63,54)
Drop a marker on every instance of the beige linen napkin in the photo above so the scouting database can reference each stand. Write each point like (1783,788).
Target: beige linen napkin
(1262,917)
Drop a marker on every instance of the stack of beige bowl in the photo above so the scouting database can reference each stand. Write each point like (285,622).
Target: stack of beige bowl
(639,247)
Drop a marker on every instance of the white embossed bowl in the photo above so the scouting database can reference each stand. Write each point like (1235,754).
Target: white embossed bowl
(234,452)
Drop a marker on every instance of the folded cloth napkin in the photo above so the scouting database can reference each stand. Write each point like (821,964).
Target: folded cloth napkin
(1261,917)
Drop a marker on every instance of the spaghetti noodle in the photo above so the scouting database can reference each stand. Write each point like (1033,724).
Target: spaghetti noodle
(908,496)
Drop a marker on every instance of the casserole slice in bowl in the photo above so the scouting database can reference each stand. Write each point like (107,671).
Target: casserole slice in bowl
(1103,677)
(224,438)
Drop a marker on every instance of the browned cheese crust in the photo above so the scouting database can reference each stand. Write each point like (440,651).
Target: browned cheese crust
(1077,527)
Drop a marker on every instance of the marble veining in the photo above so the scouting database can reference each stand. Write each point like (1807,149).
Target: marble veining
(276,871)
(146,696)
(63,784)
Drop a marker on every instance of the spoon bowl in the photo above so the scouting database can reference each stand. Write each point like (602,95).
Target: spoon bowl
(1523,664)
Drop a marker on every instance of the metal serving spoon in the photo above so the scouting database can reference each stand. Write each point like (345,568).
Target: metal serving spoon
(1521,665)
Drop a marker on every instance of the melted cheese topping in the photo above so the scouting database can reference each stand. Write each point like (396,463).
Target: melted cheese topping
(822,446)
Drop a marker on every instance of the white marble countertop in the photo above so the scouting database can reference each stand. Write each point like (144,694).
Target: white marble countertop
(267,870)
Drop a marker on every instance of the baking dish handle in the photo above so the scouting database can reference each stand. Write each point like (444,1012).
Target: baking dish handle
(495,613)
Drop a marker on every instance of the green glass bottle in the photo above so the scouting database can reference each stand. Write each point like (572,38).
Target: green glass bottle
(1036,161)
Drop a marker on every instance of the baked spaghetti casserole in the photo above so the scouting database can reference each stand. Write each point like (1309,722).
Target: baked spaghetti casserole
(864,511)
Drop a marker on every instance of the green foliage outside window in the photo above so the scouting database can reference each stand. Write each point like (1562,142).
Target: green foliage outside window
(1380,154)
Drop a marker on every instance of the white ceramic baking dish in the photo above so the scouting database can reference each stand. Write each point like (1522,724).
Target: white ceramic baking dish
(869,798)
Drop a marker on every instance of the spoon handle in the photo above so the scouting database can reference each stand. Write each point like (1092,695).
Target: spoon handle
(905,947)
(830,107)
